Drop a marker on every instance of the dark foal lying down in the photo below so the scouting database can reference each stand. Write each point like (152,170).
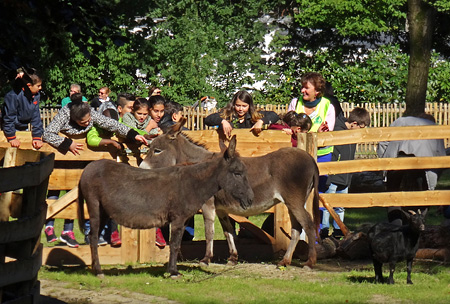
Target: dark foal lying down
(287,176)
(142,199)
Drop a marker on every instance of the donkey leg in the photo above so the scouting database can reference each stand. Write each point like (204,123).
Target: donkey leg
(209,214)
(230,233)
(177,230)
(295,237)
(95,218)
(304,219)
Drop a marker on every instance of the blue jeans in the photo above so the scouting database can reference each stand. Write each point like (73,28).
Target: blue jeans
(339,210)
(68,224)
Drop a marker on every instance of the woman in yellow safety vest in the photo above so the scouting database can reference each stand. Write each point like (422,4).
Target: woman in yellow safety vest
(318,108)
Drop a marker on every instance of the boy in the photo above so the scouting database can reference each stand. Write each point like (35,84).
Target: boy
(339,183)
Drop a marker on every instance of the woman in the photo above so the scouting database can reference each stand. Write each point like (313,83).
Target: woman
(240,113)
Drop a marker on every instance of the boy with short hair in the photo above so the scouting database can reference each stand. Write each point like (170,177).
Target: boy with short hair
(339,183)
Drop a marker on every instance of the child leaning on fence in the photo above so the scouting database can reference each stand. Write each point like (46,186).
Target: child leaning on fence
(21,108)
(76,120)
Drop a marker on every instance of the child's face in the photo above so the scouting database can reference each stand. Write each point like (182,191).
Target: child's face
(35,88)
(141,114)
(296,130)
(126,109)
(177,116)
(354,125)
(84,122)
(157,112)
(241,108)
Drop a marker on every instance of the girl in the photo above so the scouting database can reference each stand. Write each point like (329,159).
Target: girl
(140,120)
(21,108)
(76,120)
(293,123)
(241,113)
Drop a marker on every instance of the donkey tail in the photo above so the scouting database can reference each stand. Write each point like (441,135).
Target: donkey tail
(80,211)
(315,207)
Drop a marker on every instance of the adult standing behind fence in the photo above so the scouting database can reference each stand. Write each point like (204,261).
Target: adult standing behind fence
(404,180)
(320,110)
(21,107)
(74,88)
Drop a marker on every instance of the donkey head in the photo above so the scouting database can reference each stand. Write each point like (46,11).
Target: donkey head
(172,148)
(233,176)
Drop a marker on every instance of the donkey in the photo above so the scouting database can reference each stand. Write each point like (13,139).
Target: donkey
(143,199)
(288,175)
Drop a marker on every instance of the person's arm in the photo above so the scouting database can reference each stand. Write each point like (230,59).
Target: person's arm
(270,117)
(292,104)
(331,117)
(36,126)
(9,118)
(93,137)
(51,133)
(213,119)
(119,128)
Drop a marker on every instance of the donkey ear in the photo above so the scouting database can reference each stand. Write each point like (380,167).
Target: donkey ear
(176,128)
(230,152)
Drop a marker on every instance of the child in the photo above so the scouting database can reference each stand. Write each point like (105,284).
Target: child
(21,107)
(339,183)
(125,103)
(293,123)
(173,112)
(241,113)
(140,120)
(76,120)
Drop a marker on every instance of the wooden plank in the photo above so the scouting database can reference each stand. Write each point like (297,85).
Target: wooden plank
(282,227)
(5,199)
(255,230)
(64,255)
(64,179)
(130,245)
(382,134)
(148,251)
(70,212)
(56,206)
(379,164)
(388,199)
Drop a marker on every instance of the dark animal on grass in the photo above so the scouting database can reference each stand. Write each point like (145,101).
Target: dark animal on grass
(143,199)
(288,175)
(391,243)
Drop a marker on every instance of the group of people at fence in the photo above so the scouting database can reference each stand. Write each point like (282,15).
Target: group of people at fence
(137,120)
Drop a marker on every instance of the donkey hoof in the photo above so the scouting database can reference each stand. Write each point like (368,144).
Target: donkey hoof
(101,276)
(203,263)
(231,263)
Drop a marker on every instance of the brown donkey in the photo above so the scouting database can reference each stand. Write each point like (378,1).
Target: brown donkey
(288,175)
(143,199)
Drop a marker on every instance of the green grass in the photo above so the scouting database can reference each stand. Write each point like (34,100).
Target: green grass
(240,284)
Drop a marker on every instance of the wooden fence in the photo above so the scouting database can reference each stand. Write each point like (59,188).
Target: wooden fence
(20,245)
(382,115)
(138,245)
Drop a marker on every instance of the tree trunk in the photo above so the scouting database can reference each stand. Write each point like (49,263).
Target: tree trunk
(420,21)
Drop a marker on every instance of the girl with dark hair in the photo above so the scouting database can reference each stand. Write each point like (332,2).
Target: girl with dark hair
(76,120)
(21,108)
(241,113)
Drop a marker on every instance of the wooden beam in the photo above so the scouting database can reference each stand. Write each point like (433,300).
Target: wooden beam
(255,230)
(55,207)
(379,164)
(64,179)
(388,199)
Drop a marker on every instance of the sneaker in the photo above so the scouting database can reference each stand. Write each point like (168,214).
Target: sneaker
(50,234)
(101,241)
(160,241)
(69,238)
(115,239)
(324,233)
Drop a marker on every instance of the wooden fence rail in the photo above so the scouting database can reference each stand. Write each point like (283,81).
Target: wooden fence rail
(138,246)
